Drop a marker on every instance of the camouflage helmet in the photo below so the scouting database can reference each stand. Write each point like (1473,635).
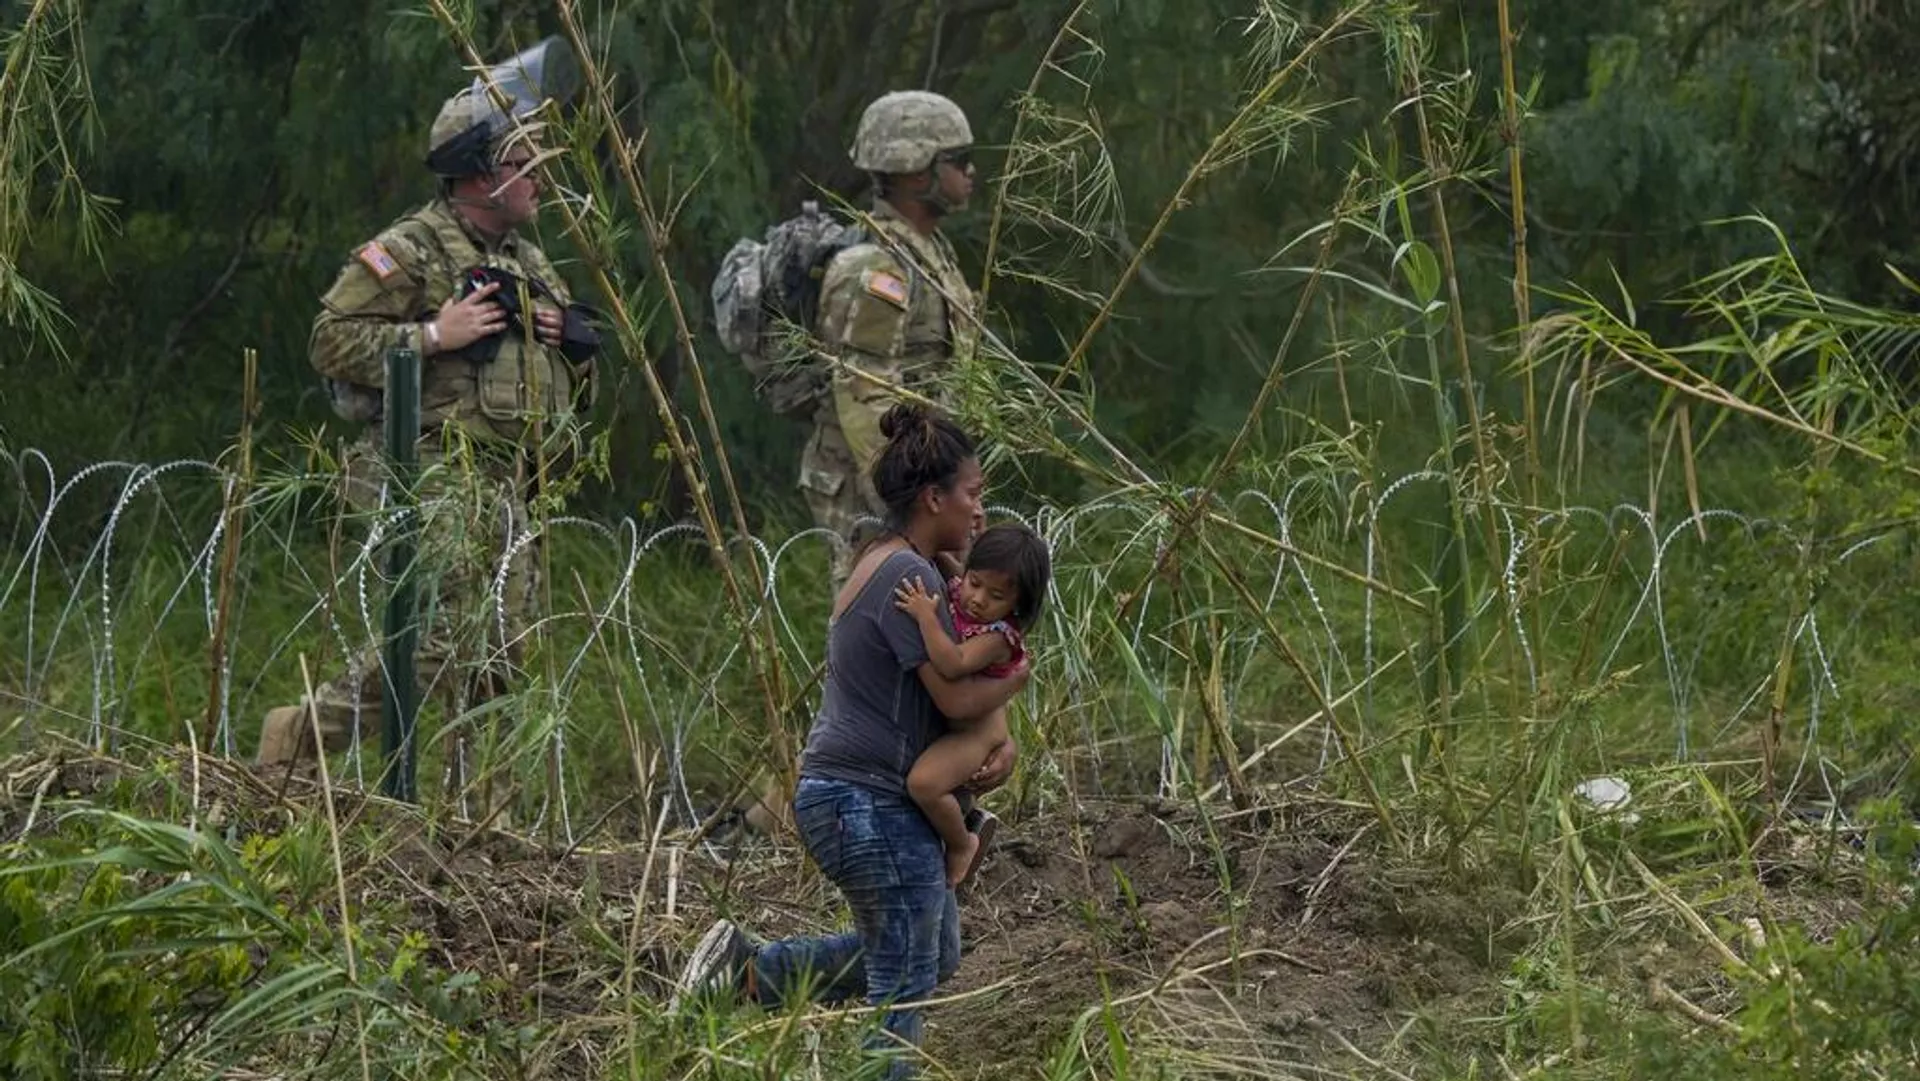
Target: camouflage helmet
(472,127)
(902,131)
(462,140)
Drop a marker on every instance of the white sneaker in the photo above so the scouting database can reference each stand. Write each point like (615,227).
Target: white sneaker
(718,963)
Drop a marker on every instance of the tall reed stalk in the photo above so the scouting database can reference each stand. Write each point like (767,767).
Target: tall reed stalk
(752,617)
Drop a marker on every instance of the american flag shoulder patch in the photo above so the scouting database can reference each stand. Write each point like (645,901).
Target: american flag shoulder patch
(887,287)
(377,260)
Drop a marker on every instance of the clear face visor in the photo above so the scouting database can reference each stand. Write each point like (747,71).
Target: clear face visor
(513,92)
(528,80)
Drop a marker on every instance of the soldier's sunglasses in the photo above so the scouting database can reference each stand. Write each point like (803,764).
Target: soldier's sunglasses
(959,159)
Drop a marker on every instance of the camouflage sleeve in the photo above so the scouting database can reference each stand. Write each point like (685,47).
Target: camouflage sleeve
(377,300)
(864,298)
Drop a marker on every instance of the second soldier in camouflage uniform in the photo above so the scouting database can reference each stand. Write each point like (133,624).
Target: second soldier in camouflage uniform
(895,311)
(498,398)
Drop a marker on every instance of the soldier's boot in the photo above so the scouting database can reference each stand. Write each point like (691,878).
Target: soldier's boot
(768,812)
(286,742)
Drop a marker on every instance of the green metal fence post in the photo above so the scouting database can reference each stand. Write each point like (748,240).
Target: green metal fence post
(399,693)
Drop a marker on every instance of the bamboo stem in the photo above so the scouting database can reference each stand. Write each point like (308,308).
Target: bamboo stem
(1268,387)
(762,660)
(238,485)
(1182,196)
(1014,143)
(1522,282)
(1457,323)
(1514,130)
(1348,748)
(763,653)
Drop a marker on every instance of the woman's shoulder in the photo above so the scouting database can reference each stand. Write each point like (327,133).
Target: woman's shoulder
(877,574)
(902,562)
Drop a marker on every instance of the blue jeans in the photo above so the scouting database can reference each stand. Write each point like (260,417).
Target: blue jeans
(884,856)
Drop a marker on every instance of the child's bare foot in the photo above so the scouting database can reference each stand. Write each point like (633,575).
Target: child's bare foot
(960,860)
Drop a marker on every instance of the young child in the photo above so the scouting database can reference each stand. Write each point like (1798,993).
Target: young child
(994,600)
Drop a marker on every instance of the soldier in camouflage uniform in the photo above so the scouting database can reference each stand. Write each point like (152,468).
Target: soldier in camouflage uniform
(895,311)
(498,405)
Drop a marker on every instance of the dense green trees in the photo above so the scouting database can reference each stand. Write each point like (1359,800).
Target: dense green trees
(246,145)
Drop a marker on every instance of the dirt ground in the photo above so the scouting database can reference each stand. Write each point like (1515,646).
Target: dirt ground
(1126,902)
(1318,945)
(1325,948)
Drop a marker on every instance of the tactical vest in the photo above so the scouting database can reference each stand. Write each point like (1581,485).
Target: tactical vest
(939,325)
(525,381)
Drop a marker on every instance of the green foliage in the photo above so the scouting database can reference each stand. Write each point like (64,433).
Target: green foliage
(46,97)
(1812,1008)
(120,935)
(1150,237)
(1657,152)
(242,183)
(139,946)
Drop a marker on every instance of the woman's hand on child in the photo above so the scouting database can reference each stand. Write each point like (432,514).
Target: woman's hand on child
(911,596)
(995,771)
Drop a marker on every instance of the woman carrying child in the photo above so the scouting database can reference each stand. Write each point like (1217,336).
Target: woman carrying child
(993,601)
(884,703)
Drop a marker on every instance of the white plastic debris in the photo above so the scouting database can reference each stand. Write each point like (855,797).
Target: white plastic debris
(1605,794)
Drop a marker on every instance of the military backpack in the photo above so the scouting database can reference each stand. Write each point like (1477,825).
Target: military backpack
(766,297)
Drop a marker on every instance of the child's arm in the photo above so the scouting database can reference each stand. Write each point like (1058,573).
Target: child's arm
(953,660)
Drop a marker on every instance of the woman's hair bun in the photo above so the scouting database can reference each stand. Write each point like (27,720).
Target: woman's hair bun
(924,448)
(902,418)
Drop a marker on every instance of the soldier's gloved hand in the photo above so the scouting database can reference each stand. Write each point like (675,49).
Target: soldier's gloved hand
(580,334)
(549,324)
(466,320)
